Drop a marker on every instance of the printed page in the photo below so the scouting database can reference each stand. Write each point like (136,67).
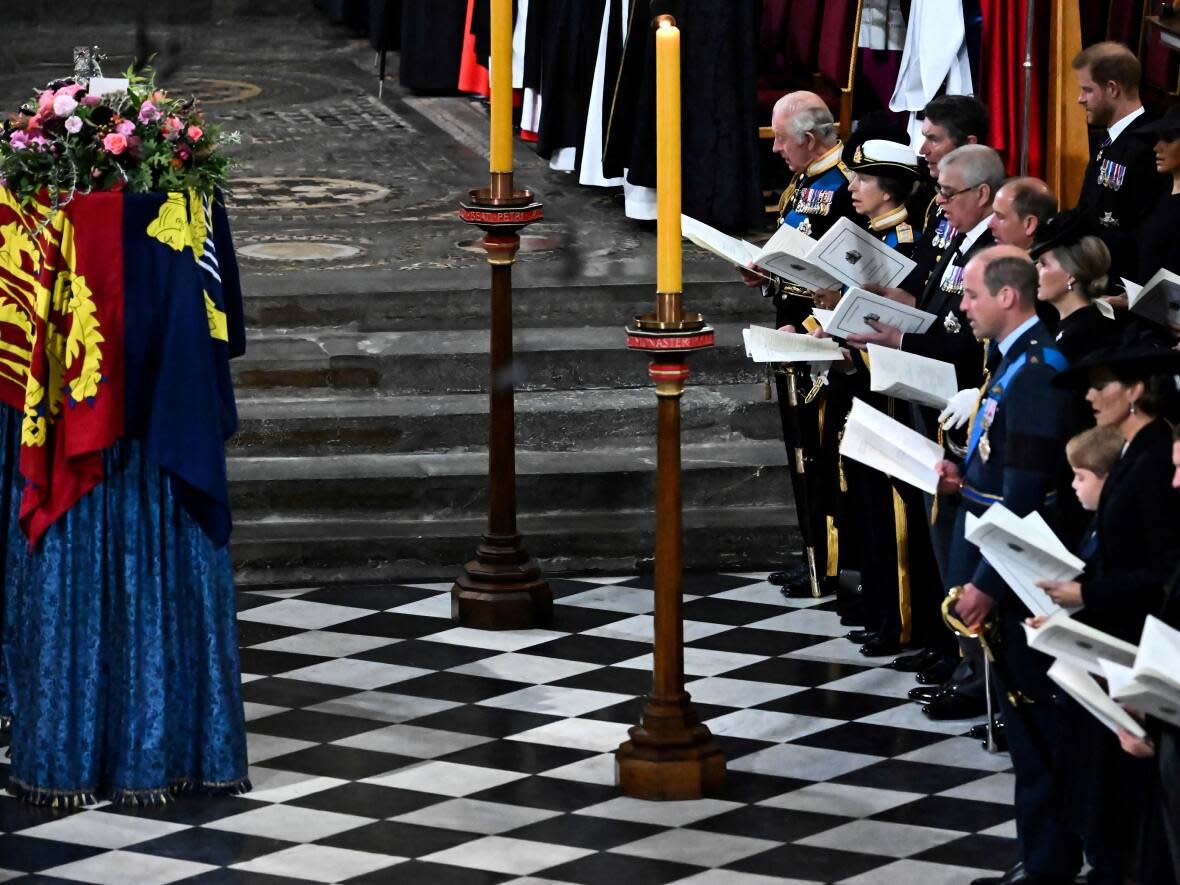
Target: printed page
(1082,645)
(857,306)
(911,377)
(786,254)
(737,252)
(772,346)
(876,440)
(1024,551)
(855,256)
(1159,654)
(1158,299)
(1123,687)
(1083,689)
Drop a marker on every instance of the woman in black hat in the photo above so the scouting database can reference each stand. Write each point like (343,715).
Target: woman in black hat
(885,174)
(1159,236)
(1072,265)
(1129,388)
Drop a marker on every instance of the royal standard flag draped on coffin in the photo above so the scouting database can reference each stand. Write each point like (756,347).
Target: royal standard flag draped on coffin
(118,314)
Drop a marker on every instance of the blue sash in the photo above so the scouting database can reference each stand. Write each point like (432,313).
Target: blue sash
(1052,356)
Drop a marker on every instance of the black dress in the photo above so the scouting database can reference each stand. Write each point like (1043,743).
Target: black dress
(1159,239)
(1138,549)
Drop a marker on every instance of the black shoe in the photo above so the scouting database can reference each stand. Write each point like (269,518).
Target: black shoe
(924,694)
(880,647)
(950,704)
(914,663)
(1019,876)
(938,672)
(791,574)
(979,732)
(861,636)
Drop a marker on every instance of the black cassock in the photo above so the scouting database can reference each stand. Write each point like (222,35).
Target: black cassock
(432,44)
(572,28)
(719,56)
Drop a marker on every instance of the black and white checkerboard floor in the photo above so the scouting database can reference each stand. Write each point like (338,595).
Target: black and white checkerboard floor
(388,745)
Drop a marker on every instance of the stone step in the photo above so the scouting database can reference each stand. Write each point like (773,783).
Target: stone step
(353,547)
(432,486)
(416,362)
(346,422)
(318,299)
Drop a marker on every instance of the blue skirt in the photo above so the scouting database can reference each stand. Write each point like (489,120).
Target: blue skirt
(119,664)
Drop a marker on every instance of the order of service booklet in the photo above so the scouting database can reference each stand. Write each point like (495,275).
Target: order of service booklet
(847,255)
(874,439)
(909,376)
(772,346)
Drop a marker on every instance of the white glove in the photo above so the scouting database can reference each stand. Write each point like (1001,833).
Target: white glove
(960,408)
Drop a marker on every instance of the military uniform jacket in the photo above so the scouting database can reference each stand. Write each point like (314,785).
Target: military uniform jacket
(950,338)
(1138,537)
(814,200)
(935,238)
(1120,189)
(1016,442)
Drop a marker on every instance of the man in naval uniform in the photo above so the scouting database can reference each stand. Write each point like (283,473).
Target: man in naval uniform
(1121,186)
(815,199)
(1016,441)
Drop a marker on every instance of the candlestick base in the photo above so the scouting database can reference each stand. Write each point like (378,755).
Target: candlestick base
(671,754)
(502,588)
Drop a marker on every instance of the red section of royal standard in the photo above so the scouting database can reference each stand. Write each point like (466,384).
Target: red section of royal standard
(87,306)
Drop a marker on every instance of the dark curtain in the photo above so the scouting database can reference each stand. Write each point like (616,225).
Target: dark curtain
(432,44)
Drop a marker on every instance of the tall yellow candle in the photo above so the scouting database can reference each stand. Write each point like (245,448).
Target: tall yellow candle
(668,276)
(501,83)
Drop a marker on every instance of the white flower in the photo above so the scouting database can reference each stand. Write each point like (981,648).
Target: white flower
(74,125)
(64,105)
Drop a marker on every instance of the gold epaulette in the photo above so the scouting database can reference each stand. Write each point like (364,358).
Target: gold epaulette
(932,206)
(905,233)
(847,172)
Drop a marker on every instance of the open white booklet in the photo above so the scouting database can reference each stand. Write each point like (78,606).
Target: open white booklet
(1158,661)
(1141,696)
(772,346)
(847,255)
(874,439)
(1062,637)
(908,376)
(857,306)
(1023,550)
(1082,688)
(1158,299)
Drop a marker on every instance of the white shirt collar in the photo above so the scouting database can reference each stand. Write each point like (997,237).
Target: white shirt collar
(974,234)
(1015,334)
(1116,129)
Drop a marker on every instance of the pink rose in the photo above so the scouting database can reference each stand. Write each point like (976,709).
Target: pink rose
(45,101)
(171,127)
(92,101)
(71,90)
(148,112)
(194,133)
(115,143)
(19,140)
(64,105)
(74,125)
(124,127)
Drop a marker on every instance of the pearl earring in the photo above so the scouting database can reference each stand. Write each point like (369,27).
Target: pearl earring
(1069,286)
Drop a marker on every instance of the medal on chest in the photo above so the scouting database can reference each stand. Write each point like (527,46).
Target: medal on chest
(814,201)
(1111,174)
(951,323)
(952,282)
(943,234)
(1107,219)
(989,415)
